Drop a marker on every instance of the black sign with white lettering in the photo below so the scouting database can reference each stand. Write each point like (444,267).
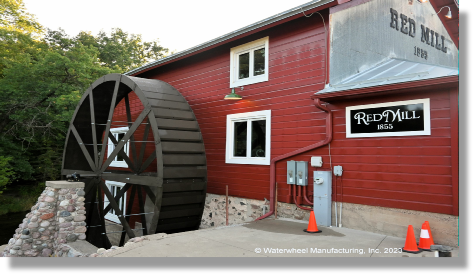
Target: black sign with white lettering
(388,119)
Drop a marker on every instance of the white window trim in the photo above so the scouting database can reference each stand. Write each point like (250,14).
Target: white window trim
(110,147)
(110,216)
(257,115)
(248,47)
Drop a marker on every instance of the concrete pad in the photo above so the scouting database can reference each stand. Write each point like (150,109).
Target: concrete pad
(83,247)
(64,184)
(268,238)
(186,246)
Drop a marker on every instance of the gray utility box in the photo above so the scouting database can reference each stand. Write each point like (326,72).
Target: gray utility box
(291,171)
(322,197)
(302,173)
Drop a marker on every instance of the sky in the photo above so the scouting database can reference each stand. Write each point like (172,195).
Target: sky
(178,25)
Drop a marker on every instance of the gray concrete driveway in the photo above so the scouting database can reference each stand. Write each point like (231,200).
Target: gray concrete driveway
(269,238)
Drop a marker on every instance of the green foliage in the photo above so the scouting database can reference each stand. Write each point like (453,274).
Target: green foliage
(13,17)
(123,51)
(21,199)
(43,74)
(5,172)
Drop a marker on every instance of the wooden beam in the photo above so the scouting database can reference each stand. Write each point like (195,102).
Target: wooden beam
(83,147)
(116,208)
(119,194)
(142,210)
(126,137)
(145,138)
(122,153)
(129,123)
(93,128)
(128,212)
(109,120)
(132,178)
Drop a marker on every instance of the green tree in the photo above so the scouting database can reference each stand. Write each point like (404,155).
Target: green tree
(123,51)
(43,74)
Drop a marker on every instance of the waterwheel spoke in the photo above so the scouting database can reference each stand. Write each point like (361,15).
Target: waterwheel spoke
(157,200)
(109,120)
(90,201)
(131,178)
(83,147)
(126,137)
(145,137)
(117,210)
(147,162)
(118,195)
(142,210)
(127,213)
(129,122)
(100,207)
(156,211)
(122,153)
(93,127)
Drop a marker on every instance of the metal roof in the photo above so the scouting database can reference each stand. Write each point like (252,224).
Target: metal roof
(390,72)
(288,13)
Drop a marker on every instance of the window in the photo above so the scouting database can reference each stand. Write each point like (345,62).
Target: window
(250,63)
(118,134)
(248,138)
(115,187)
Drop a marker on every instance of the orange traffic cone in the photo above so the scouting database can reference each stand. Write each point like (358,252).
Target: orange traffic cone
(430,233)
(312,224)
(425,241)
(411,244)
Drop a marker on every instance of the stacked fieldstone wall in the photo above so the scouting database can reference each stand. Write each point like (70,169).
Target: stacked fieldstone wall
(241,210)
(57,217)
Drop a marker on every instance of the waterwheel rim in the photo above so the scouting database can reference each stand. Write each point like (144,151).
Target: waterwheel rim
(87,155)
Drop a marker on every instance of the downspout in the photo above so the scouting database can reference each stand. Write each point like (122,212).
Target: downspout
(329,136)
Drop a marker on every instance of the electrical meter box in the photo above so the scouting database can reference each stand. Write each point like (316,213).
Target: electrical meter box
(291,172)
(302,178)
(322,197)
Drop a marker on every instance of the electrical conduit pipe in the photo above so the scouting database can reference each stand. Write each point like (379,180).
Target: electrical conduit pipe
(328,139)
(295,200)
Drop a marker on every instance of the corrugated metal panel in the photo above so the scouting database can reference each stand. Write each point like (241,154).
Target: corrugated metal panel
(390,72)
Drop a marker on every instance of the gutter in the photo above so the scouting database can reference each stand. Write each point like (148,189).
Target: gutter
(270,20)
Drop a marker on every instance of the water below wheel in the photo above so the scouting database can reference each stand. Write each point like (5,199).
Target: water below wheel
(158,158)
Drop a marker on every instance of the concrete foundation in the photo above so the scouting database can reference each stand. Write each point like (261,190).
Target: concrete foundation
(380,220)
(394,222)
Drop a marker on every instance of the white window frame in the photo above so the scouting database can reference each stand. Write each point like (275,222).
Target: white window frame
(110,147)
(110,216)
(248,48)
(249,116)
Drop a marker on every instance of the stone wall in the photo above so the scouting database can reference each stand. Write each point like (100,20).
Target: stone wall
(57,218)
(244,210)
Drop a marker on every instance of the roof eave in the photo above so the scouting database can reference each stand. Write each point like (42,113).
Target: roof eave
(449,81)
(258,25)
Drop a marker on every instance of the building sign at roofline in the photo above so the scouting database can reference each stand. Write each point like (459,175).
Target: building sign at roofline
(404,118)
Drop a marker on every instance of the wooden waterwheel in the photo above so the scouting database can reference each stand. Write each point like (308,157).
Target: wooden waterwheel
(160,152)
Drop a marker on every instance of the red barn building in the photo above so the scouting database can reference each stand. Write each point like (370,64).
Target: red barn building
(367,86)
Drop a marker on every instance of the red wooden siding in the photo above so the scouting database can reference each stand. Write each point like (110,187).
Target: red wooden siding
(296,70)
(413,172)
